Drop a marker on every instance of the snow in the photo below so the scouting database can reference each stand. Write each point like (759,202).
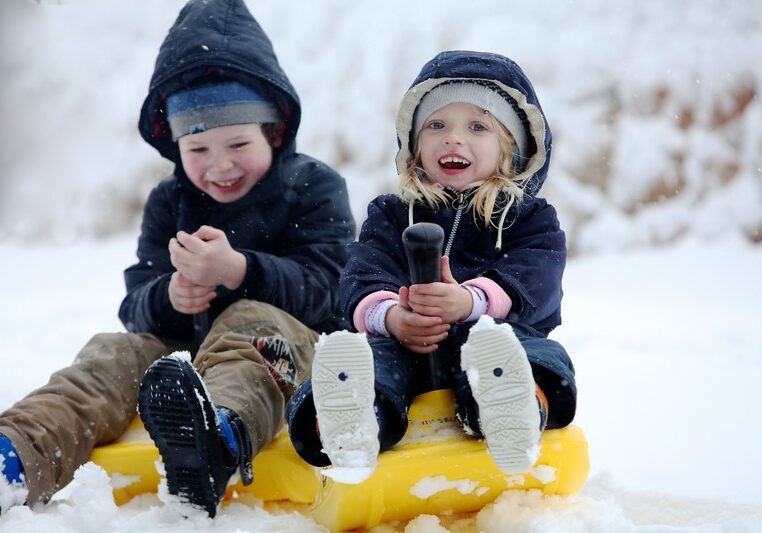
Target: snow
(429,486)
(656,174)
(351,475)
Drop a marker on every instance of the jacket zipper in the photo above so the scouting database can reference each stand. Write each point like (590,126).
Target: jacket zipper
(459,211)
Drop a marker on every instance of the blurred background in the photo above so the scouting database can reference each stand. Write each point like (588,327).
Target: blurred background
(654,106)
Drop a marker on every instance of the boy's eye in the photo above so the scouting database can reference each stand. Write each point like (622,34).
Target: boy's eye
(198,150)
(238,146)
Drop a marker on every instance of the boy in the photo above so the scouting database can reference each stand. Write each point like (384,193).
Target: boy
(238,262)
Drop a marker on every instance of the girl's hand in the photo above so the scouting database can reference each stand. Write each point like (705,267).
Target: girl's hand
(446,300)
(206,258)
(187,297)
(416,332)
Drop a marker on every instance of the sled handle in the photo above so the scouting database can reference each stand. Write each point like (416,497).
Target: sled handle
(423,246)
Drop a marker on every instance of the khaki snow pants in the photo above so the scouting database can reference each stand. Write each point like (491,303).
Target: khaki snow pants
(91,403)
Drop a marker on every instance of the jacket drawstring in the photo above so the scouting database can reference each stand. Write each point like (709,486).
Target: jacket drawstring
(499,241)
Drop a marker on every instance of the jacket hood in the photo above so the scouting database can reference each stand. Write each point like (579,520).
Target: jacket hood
(463,65)
(215,39)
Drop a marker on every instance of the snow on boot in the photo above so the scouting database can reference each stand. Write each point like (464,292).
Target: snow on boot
(201,446)
(344,394)
(503,386)
(13,489)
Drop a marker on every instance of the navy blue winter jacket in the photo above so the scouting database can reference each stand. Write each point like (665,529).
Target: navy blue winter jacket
(530,262)
(294,225)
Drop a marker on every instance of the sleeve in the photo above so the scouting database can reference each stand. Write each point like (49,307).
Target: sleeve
(301,276)
(377,261)
(370,313)
(531,266)
(146,307)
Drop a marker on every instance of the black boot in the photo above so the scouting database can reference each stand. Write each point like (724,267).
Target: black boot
(199,458)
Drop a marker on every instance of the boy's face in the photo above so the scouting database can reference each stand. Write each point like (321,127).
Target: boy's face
(459,145)
(226,162)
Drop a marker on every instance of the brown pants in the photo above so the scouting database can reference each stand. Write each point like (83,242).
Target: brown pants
(90,403)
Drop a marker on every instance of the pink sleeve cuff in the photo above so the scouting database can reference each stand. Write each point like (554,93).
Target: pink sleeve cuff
(499,303)
(480,303)
(367,305)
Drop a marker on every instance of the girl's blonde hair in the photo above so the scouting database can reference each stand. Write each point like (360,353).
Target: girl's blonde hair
(415,186)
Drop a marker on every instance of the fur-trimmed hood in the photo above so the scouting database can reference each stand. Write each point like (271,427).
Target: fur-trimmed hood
(466,65)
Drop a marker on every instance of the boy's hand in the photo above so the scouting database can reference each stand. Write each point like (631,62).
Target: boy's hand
(416,332)
(446,299)
(207,259)
(187,297)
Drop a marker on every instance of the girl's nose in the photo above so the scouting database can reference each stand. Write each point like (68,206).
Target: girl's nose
(453,137)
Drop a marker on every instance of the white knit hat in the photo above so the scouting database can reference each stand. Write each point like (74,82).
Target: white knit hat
(479,93)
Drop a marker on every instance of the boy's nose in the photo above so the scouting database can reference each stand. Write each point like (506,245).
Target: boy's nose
(219,167)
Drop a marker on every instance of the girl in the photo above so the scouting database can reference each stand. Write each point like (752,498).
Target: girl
(474,152)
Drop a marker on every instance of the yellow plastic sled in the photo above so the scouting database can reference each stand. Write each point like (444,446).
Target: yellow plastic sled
(433,470)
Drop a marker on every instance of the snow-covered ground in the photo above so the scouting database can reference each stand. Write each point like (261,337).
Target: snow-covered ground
(668,351)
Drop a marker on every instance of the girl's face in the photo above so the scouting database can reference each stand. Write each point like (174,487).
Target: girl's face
(459,145)
(226,162)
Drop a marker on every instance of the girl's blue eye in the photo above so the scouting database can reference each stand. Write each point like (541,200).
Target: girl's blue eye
(478,127)
(436,125)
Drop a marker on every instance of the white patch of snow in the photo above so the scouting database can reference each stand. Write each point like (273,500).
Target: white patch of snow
(351,475)
(429,486)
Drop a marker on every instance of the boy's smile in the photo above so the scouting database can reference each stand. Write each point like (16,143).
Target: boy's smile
(226,162)
(459,145)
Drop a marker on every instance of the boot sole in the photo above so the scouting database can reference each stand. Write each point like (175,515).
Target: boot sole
(505,393)
(177,414)
(344,392)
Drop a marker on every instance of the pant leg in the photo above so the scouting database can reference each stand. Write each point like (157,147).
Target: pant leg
(394,394)
(55,428)
(236,374)
(552,369)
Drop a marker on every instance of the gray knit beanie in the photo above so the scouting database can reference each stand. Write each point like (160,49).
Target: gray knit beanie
(478,93)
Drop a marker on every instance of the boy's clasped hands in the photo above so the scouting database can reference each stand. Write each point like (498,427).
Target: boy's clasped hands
(203,261)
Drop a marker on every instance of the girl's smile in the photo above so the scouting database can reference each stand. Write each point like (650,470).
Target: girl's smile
(459,145)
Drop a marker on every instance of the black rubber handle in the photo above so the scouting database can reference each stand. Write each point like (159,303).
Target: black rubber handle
(423,246)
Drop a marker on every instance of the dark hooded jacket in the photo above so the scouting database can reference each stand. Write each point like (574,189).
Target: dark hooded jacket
(294,225)
(529,260)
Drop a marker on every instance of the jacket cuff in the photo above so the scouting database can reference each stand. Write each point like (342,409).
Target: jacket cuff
(367,305)
(498,302)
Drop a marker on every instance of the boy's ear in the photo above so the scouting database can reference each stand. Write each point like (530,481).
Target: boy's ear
(278,130)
